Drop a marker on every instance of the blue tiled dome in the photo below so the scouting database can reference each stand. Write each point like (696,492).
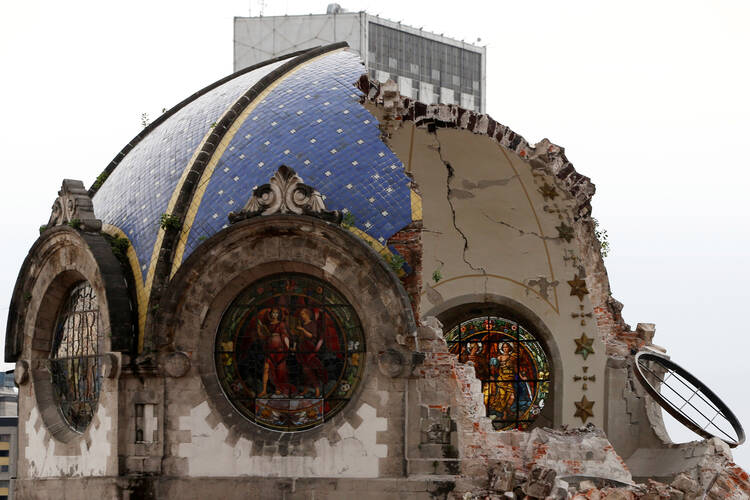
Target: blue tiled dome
(305,115)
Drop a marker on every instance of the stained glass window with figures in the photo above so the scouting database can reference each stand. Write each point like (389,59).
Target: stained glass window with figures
(74,362)
(512,365)
(289,352)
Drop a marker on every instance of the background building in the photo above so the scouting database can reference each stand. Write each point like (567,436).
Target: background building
(8,433)
(428,67)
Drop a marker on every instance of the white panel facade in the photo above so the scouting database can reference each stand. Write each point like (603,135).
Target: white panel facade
(405,87)
(258,39)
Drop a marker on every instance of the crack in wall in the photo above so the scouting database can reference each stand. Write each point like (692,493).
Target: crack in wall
(481,184)
(451,173)
(521,231)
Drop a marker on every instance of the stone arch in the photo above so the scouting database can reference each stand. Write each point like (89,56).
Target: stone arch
(227,263)
(61,258)
(463,307)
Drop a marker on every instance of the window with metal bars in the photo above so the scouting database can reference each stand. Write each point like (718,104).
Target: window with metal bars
(74,362)
(512,365)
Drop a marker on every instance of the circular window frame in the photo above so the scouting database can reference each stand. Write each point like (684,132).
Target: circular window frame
(232,417)
(232,259)
(55,298)
(61,257)
(362,353)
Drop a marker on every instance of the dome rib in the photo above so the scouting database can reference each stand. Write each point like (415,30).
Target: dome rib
(166,243)
(173,110)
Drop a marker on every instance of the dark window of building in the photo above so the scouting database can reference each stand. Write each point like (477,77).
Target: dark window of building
(512,365)
(5,438)
(74,361)
(437,63)
(3,468)
(4,453)
(289,352)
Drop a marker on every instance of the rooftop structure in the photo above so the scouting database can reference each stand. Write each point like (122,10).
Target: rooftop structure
(428,67)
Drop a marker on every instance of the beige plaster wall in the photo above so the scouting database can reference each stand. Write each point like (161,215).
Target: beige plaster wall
(210,453)
(496,235)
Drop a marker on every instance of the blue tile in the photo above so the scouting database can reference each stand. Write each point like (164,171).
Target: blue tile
(138,191)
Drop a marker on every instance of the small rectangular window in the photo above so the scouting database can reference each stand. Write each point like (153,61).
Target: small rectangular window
(4,453)
(3,468)
(145,423)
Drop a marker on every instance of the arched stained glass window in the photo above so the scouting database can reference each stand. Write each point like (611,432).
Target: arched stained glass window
(511,364)
(74,358)
(289,352)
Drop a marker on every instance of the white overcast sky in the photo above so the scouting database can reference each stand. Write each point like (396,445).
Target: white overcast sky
(651,99)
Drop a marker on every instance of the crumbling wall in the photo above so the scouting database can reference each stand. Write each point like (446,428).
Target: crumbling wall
(498,229)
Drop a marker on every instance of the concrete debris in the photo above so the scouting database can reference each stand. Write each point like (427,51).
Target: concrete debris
(540,483)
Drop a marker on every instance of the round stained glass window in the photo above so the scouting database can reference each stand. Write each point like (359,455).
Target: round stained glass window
(511,364)
(74,359)
(289,352)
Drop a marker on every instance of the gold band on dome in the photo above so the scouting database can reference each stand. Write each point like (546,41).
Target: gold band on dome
(140,291)
(215,157)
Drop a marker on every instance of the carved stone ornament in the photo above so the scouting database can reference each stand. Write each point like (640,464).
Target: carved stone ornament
(176,364)
(285,194)
(21,373)
(73,206)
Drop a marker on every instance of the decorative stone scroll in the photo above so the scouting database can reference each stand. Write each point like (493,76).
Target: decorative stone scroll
(285,194)
(74,207)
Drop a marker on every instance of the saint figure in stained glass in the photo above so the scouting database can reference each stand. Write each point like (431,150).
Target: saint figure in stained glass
(289,352)
(511,364)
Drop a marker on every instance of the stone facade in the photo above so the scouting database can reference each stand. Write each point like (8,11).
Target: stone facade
(491,227)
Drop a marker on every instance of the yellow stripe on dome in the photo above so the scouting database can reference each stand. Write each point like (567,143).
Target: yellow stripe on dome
(140,291)
(215,157)
(416,205)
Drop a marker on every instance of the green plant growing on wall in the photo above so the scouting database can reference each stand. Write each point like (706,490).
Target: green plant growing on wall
(27,297)
(75,223)
(437,275)
(347,220)
(120,247)
(395,261)
(100,180)
(42,228)
(169,221)
(602,236)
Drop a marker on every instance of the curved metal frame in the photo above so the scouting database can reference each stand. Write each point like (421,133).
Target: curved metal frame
(701,388)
